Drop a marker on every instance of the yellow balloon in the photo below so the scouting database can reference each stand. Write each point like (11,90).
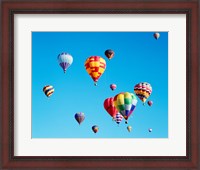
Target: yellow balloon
(95,67)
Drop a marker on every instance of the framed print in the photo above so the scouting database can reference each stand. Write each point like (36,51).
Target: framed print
(94,84)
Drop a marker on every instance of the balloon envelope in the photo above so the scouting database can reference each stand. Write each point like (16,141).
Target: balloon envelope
(156,35)
(48,90)
(150,130)
(118,118)
(79,117)
(150,103)
(95,128)
(129,128)
(143,90)
(95,67)
(109,106)
(109,53)
(113,86)
(125,103)
(65,60)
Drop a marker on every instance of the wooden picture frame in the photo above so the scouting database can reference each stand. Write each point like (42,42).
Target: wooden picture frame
(10,7)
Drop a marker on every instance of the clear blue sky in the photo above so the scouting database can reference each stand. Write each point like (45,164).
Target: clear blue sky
(138,58)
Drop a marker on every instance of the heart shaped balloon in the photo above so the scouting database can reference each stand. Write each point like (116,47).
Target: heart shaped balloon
(109,106)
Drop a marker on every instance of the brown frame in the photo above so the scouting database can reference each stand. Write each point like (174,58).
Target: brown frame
(11,7)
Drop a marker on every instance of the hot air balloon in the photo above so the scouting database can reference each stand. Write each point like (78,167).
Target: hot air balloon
(156,35)
(109,107)
(150,103)
(95,128)
(95,67)
(143,91)
(79,117)
(65,60)
(48,90)
(109,54)
(113,86)
(125,104)
(118,118)
(129,128)
(150,130)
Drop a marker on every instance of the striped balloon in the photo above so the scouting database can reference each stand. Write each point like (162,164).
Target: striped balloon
(125,103)
(79,117)
(65,60)
(48,90)
(143,91)
(118,118)
(95,66)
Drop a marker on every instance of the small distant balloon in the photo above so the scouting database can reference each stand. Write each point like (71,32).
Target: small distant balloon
(118,118)
(79,117)
(109,54)
(129,128)
(65,60)
(113,86)
(95,128)
(150,130)
(156,35)
(48,90)
(150,103)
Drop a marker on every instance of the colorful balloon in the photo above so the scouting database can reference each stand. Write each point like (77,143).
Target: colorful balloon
(48,90)
(125,103)
(129,128)
(65,60)
(156,35)
(143,91)
(118,118)
(95,67)
(150,103)
(109,106)
(95,128)
(109,54)
(80,117)
(113,86)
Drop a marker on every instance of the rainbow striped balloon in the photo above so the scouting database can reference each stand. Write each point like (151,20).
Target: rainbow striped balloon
(95,67)
(125,103)
(48,90)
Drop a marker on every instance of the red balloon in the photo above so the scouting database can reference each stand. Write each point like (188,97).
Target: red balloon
(109,106)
